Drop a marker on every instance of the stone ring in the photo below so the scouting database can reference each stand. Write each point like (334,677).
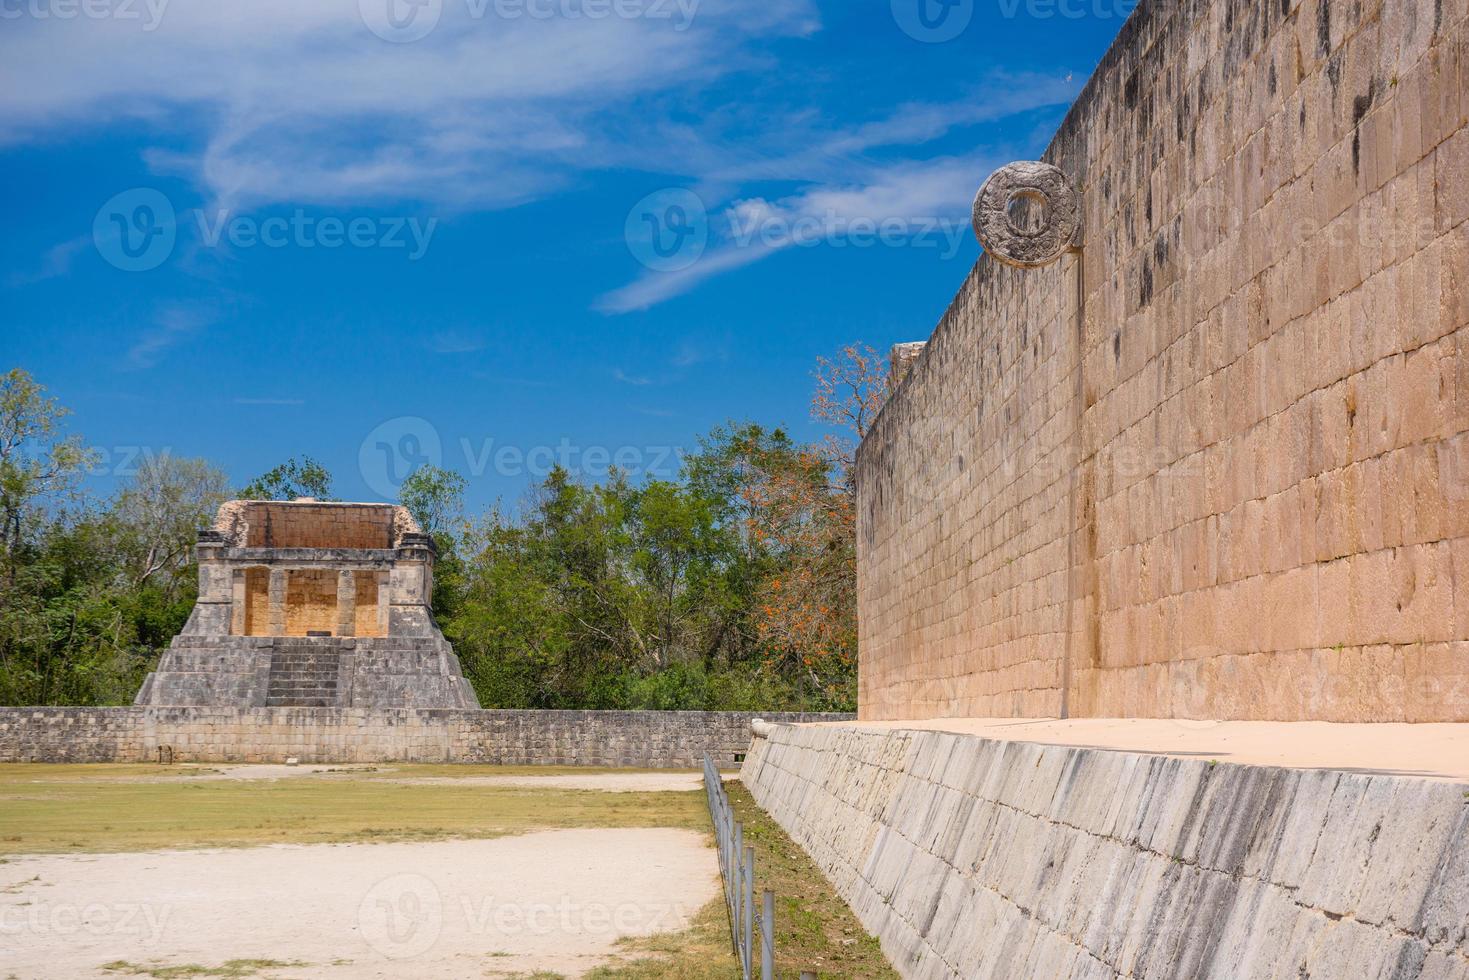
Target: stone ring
(1040,186)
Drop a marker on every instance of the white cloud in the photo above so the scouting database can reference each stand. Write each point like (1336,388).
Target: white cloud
(653,288)
(300,102)
(636,380)
(268,101)
(455,342)
(924,205)
(56,262)
(842,185)
(172,325)
(691,354)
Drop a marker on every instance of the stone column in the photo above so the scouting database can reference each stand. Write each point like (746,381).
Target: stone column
(412,586)
(384,602)
(278,579)
(346,603)
(212,610)
(239,597)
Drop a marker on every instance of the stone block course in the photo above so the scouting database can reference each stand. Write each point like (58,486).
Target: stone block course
(971,858)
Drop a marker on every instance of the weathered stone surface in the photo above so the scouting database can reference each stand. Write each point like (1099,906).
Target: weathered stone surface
(314,605)
(1214,464)
(972,858)
(1043,196)
(643,739)
(900,359)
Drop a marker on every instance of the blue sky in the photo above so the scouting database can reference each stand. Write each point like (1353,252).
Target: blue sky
(493,233)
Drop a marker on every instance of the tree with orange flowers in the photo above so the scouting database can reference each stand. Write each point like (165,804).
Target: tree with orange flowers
(806,513)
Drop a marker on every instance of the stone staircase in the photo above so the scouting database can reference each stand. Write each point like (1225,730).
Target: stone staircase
(303,676)
(309,672)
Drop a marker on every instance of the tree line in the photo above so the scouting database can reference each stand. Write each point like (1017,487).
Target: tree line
(730,587)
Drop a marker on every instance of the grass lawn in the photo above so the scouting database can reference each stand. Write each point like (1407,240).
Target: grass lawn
(82,808)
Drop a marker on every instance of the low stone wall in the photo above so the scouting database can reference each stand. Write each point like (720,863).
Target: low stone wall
(976,858)
(644,739)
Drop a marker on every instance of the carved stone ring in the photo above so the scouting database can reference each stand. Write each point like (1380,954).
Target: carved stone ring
(1045,188)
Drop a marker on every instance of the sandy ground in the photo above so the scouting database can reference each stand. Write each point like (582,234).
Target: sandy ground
(605,781)
(554,900)
(1431,751)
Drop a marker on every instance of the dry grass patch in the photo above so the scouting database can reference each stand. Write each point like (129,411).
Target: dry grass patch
(70,809)
(232,969)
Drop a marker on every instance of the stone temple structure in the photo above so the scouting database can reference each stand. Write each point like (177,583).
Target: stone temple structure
(312,604)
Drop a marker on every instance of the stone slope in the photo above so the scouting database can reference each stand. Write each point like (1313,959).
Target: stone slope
(977,858)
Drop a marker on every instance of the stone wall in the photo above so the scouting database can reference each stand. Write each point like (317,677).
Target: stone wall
(974,859)
(643,739)
(311,601)
(281,524)
(1216,463)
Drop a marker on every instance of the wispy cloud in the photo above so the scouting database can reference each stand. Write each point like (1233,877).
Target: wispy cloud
(172,325)
(300,102)
(56,262)
(268,101)
(926,202)
(838,183)
(454,342)
(627,379)
(691,354)
(653,288)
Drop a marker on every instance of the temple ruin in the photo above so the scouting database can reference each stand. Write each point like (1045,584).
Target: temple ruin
(312,604)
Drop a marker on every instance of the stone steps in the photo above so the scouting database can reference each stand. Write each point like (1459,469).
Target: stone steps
(303,678)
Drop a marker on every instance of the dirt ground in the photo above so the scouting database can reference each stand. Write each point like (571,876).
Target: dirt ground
(555,901)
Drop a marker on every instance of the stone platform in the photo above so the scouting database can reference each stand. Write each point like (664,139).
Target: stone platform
(982,857)
(311,672)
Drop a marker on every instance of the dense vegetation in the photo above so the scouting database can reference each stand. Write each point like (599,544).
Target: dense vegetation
(730,587)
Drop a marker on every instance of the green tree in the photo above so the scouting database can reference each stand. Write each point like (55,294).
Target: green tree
(435,498)
(36,465)
(732,587)
(160,512)
(300,476)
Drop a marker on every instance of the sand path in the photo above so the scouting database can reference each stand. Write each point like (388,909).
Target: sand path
(553,900)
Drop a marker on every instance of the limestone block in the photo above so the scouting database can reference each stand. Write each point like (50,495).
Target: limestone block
(1035,894)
